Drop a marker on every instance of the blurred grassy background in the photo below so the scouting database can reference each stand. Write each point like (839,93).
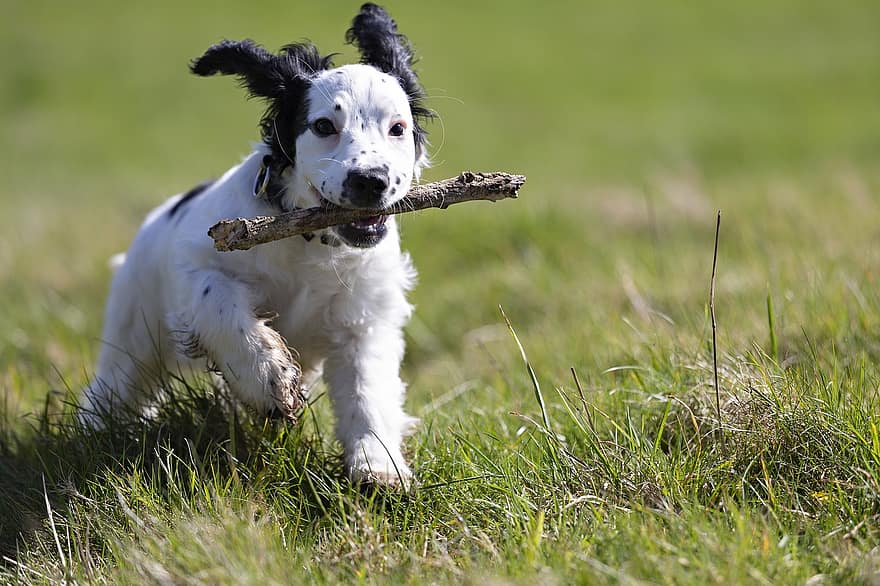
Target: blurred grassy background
(634,121)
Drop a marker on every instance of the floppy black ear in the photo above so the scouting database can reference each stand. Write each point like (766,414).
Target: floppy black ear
(282,80)
(375,34)
(256,68)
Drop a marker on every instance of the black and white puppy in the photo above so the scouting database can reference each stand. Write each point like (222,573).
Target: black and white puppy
(351,135)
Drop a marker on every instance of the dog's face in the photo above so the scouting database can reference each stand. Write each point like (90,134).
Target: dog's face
(357,149)
(351,135)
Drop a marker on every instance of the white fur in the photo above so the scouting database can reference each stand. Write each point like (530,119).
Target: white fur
(340,309)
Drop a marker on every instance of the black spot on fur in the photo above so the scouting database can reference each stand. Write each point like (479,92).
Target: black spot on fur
(329,240)
(397,181)
(337,107)
(189,195)
(363,152)
(206,291)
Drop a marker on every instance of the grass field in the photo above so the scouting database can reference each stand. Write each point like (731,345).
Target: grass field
(635,123)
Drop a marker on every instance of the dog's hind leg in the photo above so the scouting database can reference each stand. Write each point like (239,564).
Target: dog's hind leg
(221,322)
(129,364)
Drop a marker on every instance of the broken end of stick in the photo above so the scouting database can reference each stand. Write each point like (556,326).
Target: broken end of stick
(224,232)
(497,185)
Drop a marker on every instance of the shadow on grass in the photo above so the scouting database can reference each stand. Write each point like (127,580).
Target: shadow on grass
(196,437)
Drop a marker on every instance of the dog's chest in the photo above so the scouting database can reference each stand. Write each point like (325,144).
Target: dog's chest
(314,302)
(325,297)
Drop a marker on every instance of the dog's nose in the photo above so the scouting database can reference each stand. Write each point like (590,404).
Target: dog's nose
(365,187)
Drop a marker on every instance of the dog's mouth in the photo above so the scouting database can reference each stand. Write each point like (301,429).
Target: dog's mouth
(363,233)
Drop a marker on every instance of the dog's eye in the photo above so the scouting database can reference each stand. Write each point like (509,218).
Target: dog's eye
(397,129)
(323,127)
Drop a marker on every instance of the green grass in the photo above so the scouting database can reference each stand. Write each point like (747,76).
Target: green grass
(635,122)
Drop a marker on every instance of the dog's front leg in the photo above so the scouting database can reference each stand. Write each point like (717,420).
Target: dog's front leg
(362,373)
(221,322)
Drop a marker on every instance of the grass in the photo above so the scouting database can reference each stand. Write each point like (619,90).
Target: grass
(635,123)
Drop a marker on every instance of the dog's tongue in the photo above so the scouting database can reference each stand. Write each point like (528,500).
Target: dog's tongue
(369,221)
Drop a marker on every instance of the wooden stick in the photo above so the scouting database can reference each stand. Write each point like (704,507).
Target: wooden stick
(245,233)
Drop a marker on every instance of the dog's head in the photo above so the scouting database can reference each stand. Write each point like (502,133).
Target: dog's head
(352,135)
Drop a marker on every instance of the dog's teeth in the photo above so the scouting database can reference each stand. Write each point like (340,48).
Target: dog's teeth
(369,222)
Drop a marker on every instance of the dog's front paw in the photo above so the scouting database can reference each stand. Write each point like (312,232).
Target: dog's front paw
(284,387)
(378,469)
(396,479)
(268,377)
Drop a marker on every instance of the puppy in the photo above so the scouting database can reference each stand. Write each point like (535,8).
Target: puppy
(351,135)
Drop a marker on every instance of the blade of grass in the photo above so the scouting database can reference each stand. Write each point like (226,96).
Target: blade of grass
(538,395)
(774,349)
(714,323)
